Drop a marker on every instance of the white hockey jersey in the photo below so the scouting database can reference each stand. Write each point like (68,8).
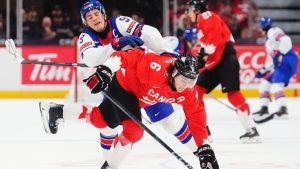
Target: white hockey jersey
(277,43)
(95,51)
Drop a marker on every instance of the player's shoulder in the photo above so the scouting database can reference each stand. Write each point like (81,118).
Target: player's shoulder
(209,15)
(274,31)
(124,24)
(87,35)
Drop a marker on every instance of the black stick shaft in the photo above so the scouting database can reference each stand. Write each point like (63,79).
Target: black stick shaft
(54,63)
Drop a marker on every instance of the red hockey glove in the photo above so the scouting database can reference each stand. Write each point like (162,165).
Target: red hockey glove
(99,80)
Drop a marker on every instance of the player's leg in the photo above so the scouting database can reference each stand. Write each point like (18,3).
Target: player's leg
(174,123)
(55,114)
(280,100)
(264,99)
(113,116)
(107,134)
(228,72)
(123,144)
(282,75)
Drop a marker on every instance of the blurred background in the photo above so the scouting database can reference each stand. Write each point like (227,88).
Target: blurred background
(47,30)
(58,21)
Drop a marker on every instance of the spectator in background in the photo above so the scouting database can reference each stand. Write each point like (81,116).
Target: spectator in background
(115,13)
(62,29)
(137,18)
(30,23)
(243,10)
(2,31)
(47,31)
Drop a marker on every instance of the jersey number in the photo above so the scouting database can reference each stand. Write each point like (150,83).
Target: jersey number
(124,18)
(155,66)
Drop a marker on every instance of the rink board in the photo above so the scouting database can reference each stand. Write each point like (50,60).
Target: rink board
(40,81)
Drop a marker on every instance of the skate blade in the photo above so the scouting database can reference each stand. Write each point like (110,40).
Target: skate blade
(282,117)
(45,118)
(253,140)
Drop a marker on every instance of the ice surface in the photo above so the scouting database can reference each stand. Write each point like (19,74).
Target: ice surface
(25,145)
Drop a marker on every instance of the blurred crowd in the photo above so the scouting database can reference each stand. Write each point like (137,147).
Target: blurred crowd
(62,23)
(239,15)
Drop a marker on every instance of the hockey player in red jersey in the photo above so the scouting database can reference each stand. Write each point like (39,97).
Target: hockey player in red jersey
(220,64)
(100,38)
(145,79)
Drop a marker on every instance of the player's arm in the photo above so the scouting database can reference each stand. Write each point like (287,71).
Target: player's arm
(91,54)
(154,41)
(285,44)
(195,116)
(150,35)
(98,81)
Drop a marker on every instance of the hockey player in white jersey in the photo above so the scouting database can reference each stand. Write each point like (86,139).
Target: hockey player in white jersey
(101,37)
(279,68)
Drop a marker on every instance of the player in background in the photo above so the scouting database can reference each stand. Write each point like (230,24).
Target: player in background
(221,65)
(101,37)
(153,82)
(279,68)
(177,43)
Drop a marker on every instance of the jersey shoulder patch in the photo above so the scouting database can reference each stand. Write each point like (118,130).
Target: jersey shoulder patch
(84,42)
(126,25)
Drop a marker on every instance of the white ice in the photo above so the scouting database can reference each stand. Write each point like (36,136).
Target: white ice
(25,145)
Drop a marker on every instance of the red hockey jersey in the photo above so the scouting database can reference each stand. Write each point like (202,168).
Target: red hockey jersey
(147,76)
(213,32)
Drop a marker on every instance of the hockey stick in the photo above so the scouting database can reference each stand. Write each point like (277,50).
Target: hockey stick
(218,100)
(11,47)
(119,105)
(265,119)
(258,121)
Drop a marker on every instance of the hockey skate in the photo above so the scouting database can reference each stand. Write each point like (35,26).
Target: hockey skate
(281,113)
(105,166)
(52,116)
(250,136)
(263,113)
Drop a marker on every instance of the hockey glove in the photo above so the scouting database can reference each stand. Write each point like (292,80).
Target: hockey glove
(202,57)
(131,40)
(262,73)
(207,157)
(99,80)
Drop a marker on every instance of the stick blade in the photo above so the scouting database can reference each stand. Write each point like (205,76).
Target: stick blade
(265,119)
(11,47)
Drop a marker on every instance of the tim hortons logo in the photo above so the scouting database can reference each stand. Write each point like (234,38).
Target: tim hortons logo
(250,62)
(48,73)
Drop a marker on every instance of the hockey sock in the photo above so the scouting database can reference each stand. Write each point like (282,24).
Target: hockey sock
(243,111)
(177,125)
(123,143)
(122,147)
(264,91)
(106,141)
(184,135)
(74,111)
(277,90)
